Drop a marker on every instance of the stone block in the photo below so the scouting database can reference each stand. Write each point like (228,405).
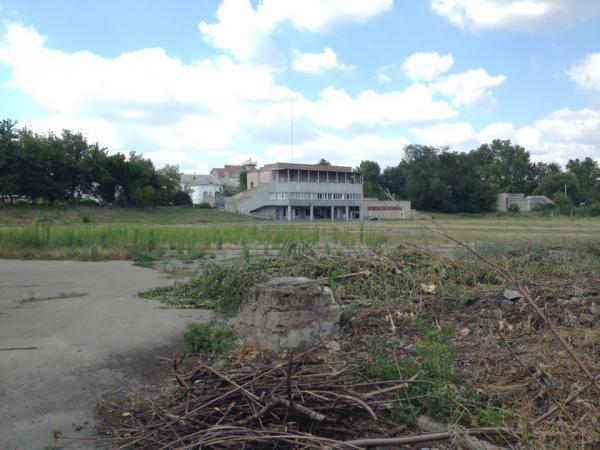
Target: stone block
(287,313)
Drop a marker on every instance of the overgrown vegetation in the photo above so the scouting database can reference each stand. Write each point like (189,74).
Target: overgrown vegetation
(384,274)
(150,242)
(208,338)
(442,398)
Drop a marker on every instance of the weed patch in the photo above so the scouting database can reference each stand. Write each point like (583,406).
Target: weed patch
(208,338)
(31,297)
(443,399)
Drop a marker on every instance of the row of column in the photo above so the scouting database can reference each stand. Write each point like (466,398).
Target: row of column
(312,213)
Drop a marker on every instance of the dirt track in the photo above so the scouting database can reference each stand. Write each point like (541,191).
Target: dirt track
(85,345)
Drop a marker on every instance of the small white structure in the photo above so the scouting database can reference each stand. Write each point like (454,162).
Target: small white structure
(203,189)
(505,200)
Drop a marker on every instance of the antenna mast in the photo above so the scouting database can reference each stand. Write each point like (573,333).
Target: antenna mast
(292,128)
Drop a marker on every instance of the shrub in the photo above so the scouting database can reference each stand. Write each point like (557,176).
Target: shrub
(85,218)
(144,196)
(545,209)
(514,208)
(563,202)
(594,209)
(204,205)
(208,338)
(182,198)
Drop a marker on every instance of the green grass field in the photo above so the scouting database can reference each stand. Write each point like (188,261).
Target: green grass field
(104,233)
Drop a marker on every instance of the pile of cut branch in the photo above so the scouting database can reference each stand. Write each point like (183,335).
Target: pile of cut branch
(302,402)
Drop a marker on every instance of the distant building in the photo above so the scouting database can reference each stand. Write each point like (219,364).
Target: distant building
(203,189)
(386,209)
(288,191)
(505,200)
(229,175)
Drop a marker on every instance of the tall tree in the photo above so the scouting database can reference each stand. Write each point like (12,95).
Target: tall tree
(506,166)
(9,160)
(243,181)
(371,173)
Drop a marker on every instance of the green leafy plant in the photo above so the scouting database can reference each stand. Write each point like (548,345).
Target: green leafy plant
(442,398)
(208,338)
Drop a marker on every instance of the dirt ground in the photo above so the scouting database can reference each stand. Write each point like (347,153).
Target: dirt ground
(58,354)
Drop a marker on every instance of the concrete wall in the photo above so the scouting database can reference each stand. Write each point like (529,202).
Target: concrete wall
(386,209)
(504,201)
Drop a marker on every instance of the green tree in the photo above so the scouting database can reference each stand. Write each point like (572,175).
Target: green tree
(424,186)
(371,173)
(323,162)
(506,166)
(168,179)
(563,202)
(243,181)
(393,179)
(144,196)
(9,160)
(558,182)
(587,174)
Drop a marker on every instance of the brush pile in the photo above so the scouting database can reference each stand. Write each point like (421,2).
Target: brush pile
(302,402)
(387,273)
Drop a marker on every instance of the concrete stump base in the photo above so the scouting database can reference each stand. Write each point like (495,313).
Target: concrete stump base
(288,313)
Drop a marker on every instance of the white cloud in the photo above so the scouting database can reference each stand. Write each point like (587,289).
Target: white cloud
(335,108)
(246,32)
(340,150)
(141,97)
(317,62)
(457,135)
(567,125)
(586,73)
(427,66)
(472,86)
(524,15)
(529,136)
(561,135)
(383,73)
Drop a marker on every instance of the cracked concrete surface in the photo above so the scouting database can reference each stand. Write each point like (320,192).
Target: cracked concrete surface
(84,346)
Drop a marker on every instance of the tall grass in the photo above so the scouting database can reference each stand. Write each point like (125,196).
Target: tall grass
(90,241)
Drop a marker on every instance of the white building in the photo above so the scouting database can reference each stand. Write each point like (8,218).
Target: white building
(203,189)
(288,191)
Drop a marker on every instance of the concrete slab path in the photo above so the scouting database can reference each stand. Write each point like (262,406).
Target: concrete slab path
(105,338)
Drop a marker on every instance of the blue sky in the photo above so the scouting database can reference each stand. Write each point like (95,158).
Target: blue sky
(200,84)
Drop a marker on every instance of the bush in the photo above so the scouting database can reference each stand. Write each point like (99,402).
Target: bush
(182,198)
(563,202)
(88,202)
(204,205)
(85,218)
(145,196)
(514,208)
(208,338)
(545,209)
(594,209)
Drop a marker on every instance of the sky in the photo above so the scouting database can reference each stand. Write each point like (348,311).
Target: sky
(202,84)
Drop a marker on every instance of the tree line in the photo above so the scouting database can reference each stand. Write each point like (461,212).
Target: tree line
(67,168)
(442,180)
